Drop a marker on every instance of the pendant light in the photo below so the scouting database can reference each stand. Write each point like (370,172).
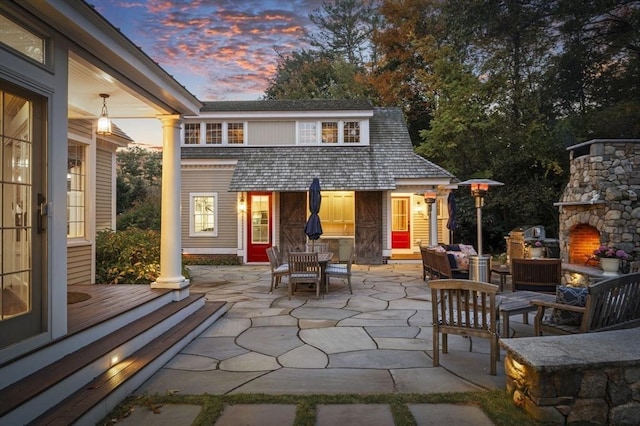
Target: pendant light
(104,124)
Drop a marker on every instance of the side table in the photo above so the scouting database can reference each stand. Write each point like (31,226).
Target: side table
(503,271)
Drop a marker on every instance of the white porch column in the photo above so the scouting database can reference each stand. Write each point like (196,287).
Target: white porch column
(433,224)
(170,242)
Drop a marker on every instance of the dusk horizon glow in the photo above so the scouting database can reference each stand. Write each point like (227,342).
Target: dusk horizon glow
(218,50)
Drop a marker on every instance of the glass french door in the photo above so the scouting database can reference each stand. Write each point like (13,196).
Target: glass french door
(22,129)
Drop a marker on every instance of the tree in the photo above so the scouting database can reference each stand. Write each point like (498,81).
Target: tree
(138,186)
(306,74)
(344,30)
(341,56)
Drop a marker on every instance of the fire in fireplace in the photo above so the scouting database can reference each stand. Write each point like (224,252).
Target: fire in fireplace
(583,240)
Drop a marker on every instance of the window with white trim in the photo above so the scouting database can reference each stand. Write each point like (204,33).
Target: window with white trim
(307,132)
(203,217)
(330,132)
(351,132)
(235,133)
(214,134)
(191,133)
(76,189)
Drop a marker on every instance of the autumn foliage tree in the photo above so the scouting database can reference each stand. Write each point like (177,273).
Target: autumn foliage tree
(490,89)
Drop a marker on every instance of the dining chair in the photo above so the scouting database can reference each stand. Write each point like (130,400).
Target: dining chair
(317,247)
(634,267)
(341,270)
(304,268)
(277,270)
(279,259)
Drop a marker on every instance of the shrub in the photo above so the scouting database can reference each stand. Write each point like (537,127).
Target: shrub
(131,256)
(145,214)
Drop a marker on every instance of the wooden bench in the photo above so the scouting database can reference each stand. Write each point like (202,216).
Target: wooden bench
(536,274)
(610,305)
(444,269)
(465,308)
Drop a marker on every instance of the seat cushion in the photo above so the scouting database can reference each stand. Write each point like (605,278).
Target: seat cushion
(336,269)
(574,296)
(282,269)
(303,275)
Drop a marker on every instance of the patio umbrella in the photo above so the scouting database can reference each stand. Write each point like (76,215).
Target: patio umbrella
(313,228)
(452,224)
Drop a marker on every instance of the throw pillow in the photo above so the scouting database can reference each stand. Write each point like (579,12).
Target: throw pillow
(574,296)
(467,249)
(453,264)
(452,247)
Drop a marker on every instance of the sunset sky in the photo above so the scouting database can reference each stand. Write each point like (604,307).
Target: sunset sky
(217,49)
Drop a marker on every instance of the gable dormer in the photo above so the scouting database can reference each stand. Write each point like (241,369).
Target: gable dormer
(317,122)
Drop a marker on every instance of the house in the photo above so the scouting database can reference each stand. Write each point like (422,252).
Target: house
(57,60)
(246,167)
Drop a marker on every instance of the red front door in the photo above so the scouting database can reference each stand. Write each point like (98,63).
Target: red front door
(259,225)
(400,231)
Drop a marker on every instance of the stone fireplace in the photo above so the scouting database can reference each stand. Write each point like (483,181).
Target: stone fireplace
(600,203)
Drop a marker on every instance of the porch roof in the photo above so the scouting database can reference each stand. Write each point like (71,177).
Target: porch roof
(375,167)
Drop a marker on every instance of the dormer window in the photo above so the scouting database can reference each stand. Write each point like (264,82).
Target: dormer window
(329,132)
(217,133)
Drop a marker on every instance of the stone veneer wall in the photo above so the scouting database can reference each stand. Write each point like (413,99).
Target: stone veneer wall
(585,378)
(603,190)
(599,396)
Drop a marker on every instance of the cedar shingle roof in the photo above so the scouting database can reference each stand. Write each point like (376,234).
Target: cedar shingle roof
(375,167)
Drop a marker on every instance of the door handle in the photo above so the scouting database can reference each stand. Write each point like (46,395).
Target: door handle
(42,212)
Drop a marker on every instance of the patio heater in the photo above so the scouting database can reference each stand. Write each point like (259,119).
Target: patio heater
(479,265)
(429,199)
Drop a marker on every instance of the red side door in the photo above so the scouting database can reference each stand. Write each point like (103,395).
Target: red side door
(259,226)
(400,226)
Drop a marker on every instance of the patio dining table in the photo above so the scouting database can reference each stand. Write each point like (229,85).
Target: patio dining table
(323,259)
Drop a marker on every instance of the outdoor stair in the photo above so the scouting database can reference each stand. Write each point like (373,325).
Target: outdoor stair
(84,386)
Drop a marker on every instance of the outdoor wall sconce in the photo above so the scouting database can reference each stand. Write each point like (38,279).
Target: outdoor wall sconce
(479,189)
(242,206)
(104,123)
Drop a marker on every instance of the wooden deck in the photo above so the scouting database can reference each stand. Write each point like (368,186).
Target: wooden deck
(106,301)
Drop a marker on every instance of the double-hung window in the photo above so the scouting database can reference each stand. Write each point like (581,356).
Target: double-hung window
(203,208)
(329,132)
(351,132)
(307,132)
(191,133)
(215,133)
(235,133)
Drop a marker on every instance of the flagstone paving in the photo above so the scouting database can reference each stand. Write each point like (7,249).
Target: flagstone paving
(376,340)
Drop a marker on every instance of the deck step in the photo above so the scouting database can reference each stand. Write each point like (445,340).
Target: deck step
(88,405)
(34,394)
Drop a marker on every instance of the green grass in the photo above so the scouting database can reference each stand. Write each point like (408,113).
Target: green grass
(496,404)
